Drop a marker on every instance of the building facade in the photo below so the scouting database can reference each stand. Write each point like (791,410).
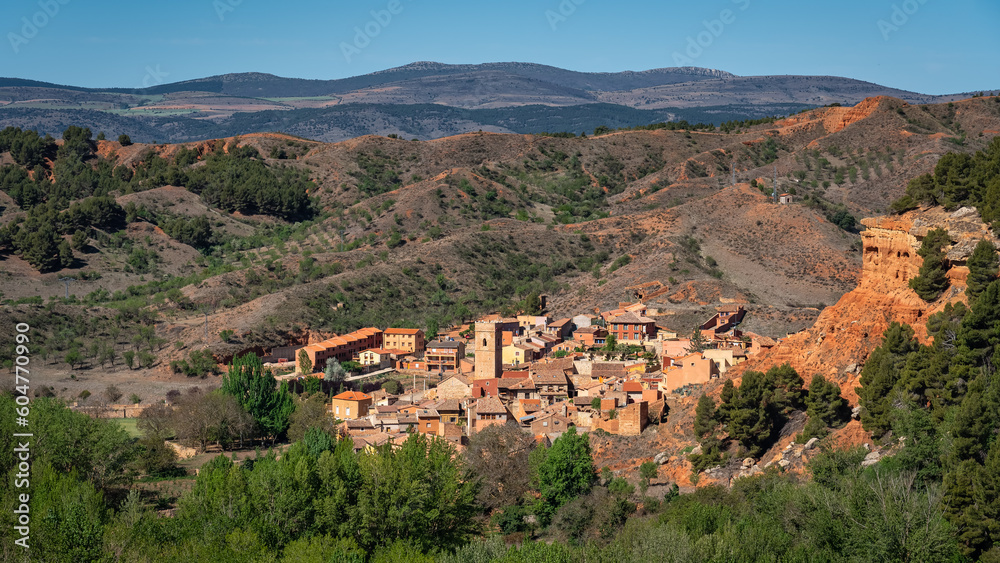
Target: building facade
(406,339)
(444,356)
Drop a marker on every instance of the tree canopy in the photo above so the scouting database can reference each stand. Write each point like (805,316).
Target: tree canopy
(258,393)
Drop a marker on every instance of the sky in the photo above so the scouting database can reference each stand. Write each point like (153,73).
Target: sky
(927,46)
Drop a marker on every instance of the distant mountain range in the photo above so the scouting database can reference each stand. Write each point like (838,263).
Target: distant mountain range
(425,100)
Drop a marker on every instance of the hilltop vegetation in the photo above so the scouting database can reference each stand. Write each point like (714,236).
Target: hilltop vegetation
(960,179)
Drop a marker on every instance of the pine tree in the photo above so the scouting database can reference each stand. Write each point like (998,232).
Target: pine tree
(65,254)
(752,412)
(824,405)
(932,279)
(704,419)
(787,385)
(706,422)
(983,266)
(880,375)
(980,331)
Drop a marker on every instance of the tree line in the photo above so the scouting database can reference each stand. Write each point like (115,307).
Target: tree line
(960,179)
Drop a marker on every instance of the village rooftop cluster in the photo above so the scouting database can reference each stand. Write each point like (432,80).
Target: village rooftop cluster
(614,371)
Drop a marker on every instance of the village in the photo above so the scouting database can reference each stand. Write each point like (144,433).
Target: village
(615,371)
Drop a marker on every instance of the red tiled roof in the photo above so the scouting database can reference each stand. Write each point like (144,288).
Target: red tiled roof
(530,405)
(402,331)
(632,387)
(549,378)
(490,405)
(352,396)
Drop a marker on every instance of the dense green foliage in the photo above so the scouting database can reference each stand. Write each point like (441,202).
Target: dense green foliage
(756,410)
(943,402)
(983,267)
(240,181)
(960,179)
(566,473)
(258,393)
(932,279)
(706,426)
(74,195)
(825,407)
(321,501)
(880,374)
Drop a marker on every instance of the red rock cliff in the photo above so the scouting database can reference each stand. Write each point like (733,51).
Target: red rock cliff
(846,333)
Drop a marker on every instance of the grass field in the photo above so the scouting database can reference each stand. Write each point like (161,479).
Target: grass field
(129,425)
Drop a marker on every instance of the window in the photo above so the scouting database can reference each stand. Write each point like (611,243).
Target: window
(545,423)
(336,410)
(347,411)
(428,425)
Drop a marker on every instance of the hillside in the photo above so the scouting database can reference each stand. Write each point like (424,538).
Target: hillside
(426,100)
(431,233)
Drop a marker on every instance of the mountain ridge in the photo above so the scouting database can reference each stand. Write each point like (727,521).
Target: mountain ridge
(427,99)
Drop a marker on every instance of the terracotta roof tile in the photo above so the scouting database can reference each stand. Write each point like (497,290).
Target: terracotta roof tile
(409,331)
(490,405)
(352,396)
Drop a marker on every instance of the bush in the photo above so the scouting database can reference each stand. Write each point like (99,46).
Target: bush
(199,364)
(112,394)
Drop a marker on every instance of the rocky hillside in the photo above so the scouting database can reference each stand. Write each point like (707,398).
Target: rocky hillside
(430,233)
(843,336)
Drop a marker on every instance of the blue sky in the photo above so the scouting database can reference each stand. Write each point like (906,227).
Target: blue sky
(929,46)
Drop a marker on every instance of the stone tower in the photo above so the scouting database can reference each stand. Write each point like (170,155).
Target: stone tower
(489,351)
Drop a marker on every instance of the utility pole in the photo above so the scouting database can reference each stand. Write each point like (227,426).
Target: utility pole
(774,193)
(66,281)
(205,310)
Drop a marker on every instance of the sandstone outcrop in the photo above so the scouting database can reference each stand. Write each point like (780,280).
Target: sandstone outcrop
(846,333)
